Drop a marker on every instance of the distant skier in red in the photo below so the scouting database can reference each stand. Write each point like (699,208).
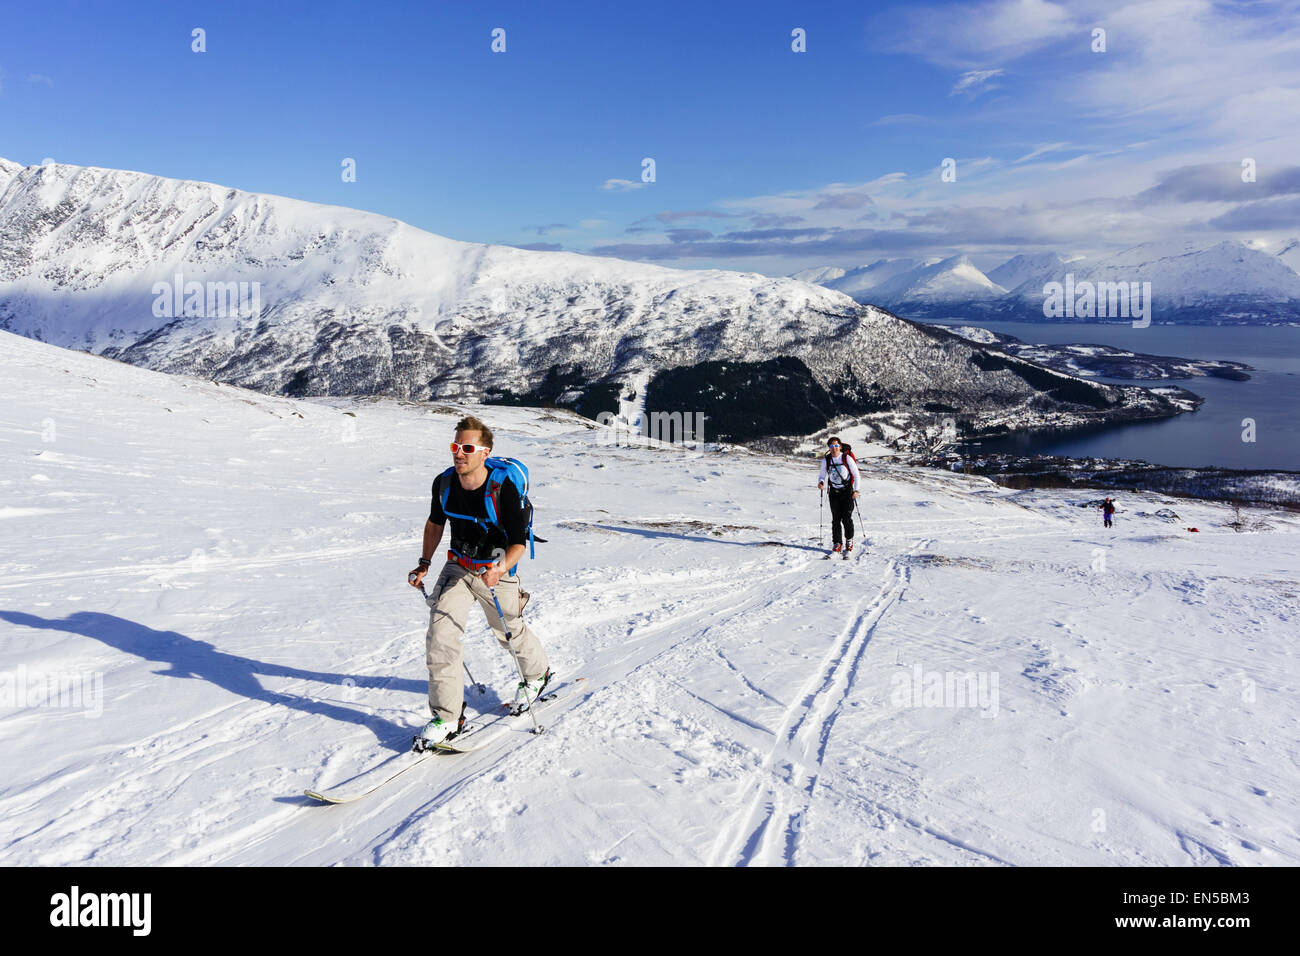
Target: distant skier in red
(1107,512)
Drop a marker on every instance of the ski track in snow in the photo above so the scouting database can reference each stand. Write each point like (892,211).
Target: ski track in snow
(767,830)
(233,568)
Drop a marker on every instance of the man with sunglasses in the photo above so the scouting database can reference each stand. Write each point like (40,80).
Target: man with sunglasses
(483,555)
(841,471)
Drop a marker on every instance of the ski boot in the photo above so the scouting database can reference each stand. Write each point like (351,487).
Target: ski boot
(438,731)
(528,692)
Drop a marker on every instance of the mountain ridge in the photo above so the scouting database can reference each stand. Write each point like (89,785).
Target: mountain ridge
(1226,281)
(348,302)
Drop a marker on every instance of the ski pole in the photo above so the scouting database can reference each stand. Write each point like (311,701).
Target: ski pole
(821,528)
(862,524)
(481,688)
(537,728)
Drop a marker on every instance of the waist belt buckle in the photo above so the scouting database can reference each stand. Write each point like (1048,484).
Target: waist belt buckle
(469,563)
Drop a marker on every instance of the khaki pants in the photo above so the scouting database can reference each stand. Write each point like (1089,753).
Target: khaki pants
(450,602)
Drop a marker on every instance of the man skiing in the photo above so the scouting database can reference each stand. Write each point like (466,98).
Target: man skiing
(483,556)
(841,470)
(1107,511)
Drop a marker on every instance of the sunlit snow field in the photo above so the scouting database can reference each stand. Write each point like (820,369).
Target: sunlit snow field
(221,576)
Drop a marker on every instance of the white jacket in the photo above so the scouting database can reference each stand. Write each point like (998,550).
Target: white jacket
(837,476)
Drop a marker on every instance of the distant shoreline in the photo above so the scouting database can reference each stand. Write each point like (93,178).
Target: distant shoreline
(1257,487)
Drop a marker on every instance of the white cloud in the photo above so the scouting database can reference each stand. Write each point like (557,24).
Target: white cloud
(967,36)
(1216,72)
(1061,159)
(622,185)
(901,119)
(1040,151)
(972,81)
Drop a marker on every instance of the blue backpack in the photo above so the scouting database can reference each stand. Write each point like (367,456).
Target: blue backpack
(500,470)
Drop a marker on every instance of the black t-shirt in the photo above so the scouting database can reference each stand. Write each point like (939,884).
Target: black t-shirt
(510,516)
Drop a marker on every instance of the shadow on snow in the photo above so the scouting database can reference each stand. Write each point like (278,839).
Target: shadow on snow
(188,658)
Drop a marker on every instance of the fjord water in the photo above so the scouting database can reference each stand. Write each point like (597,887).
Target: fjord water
(1211,436)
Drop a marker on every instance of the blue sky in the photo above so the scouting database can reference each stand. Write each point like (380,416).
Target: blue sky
(767,160)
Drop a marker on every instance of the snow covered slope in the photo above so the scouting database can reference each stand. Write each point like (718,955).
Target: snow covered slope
(1288,250)
(8,170)
(361,299)
(229,569)
(341,302)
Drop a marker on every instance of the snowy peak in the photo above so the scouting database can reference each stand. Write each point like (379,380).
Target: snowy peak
(822,276)
(1181,274)
(105,237)
(894,282)
(8,170)
(856,281)
(91,244)
(955,279)
(1149,253)
(1288,251)
(1030,272)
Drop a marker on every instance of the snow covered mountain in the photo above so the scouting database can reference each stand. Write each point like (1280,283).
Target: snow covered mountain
(205,613)
(897,283)
(1228,282)
(1022,273)
(858,280)
(954,279)
(301,299)
(823,276)
(1183,274)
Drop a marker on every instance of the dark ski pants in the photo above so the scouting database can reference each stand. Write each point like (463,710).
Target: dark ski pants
(841,514)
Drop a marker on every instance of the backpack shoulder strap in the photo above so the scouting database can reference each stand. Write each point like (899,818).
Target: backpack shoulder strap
(445,488)
(445,494)
(491,496)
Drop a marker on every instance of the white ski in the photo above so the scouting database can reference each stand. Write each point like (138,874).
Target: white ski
(369,781)
(478,733)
